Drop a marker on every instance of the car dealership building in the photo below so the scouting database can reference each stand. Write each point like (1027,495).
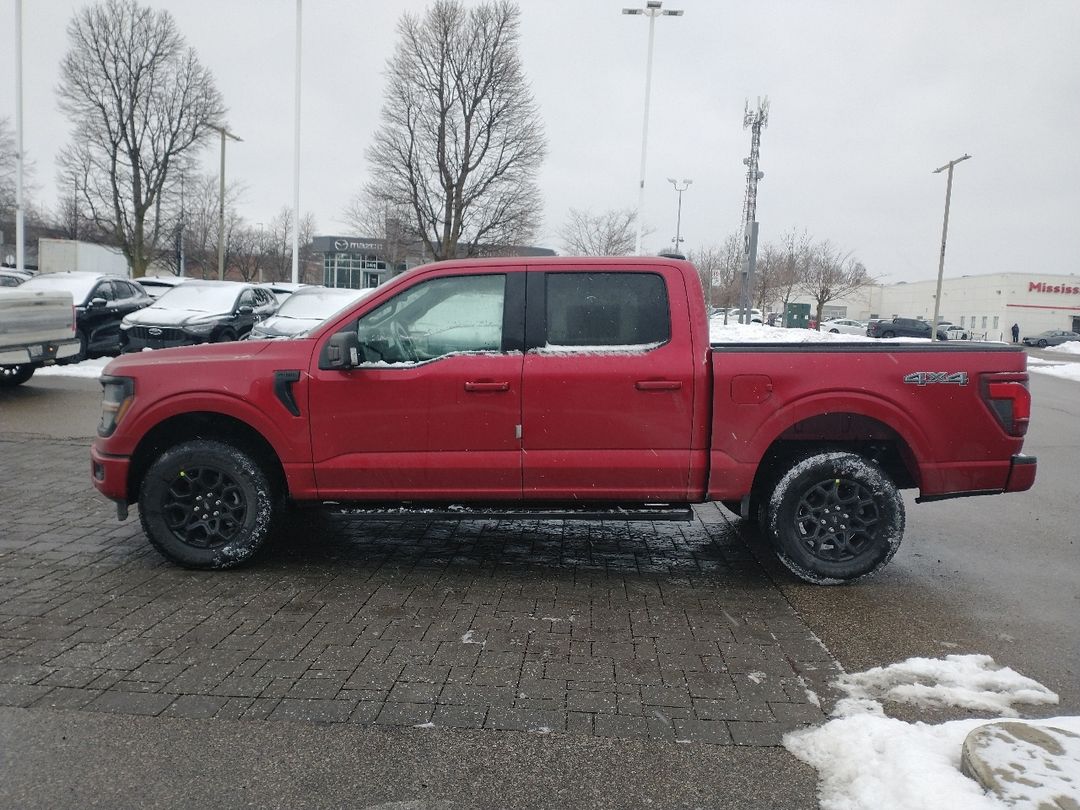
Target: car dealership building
(987,305)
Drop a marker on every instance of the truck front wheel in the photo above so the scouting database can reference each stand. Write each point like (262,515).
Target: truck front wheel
(206,504)
(835,517)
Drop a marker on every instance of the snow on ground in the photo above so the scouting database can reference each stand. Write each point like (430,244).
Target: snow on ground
(1071,347)
(90,369)
(719,332)
(1066,371)
(867,760)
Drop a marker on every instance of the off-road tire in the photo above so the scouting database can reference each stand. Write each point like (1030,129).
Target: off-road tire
(10,376)
(206,504)
(834,517)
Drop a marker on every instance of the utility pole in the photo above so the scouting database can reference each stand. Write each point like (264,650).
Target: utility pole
(221,198)
(678,217)
(652,10)
(20,205)
(296,152)
(944,236)
(756,121)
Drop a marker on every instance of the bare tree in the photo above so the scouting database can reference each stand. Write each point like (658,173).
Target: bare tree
(461,139)
(718,267)
(278,242)
(8,170)
(609,233)
(832,274)
(380,219)
(139,100)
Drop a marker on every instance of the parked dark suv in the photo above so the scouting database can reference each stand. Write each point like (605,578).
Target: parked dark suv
(101,303)
(903,327)
(198,312)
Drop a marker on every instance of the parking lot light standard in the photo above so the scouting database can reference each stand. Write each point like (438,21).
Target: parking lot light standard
(652,10)
(221,198)
(678,216)
(944,236)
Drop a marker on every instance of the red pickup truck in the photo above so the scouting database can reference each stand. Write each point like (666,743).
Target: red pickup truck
(564,388)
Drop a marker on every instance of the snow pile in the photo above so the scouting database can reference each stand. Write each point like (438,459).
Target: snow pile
(1070,347)
(965,681)
(1066,371)
(867,760)
(719,332)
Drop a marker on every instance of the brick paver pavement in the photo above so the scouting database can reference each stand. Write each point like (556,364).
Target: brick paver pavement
(664,630)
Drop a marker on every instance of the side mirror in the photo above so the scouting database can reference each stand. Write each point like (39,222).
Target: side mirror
(245,310)
(342,352)
(97,302)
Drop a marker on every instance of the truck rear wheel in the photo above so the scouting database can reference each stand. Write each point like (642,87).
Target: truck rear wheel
(206,504)
(11,376)
(835,517)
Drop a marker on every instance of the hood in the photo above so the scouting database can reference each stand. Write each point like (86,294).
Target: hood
(283,327)
(160,316)
(232,351)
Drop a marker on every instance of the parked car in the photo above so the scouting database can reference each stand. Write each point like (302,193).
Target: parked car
(282,289)
(844,326)
(37,328)
(305,309)
(10,277)
(1053,337)
(101,304)
(157,286)
(734,312)
(903,327)
(956,332)
(198,312)
(557,388)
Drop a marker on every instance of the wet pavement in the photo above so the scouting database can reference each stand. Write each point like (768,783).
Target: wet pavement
(657,630)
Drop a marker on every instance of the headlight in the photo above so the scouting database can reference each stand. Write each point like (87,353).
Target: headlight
(119,392)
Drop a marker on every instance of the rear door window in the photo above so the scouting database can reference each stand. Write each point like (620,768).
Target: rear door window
(606,311)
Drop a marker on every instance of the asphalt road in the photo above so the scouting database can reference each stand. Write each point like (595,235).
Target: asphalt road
(998,575)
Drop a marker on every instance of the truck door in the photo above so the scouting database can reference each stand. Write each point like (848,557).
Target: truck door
(608,386)
(434,412)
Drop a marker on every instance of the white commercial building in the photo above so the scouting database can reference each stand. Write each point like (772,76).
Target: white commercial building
(987,305)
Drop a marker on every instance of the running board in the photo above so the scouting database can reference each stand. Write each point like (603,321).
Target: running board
(660,511)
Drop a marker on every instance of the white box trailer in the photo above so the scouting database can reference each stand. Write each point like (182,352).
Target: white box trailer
(58,255)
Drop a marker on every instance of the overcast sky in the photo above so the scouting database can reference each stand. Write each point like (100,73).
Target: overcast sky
(867,99)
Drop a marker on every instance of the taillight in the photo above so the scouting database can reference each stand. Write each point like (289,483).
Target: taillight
(1008,398)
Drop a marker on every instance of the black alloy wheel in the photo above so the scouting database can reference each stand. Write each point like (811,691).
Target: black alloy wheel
(204,507)
(834,517)
(11,376)
(207,504)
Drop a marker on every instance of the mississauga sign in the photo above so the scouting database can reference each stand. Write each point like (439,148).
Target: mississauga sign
(1060,289)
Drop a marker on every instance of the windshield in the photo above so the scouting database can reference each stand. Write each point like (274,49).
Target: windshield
(78,286)
(199,298)
(318,304)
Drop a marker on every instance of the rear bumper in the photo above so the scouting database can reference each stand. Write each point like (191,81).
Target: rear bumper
(39,353)
(109,474)
(1019,477)
(1021,473)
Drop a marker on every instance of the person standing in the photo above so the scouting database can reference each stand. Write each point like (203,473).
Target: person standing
(1016,332)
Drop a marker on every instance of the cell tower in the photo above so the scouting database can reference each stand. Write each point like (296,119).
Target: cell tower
(755,121)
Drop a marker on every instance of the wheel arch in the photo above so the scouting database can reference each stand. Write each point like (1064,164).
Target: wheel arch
(894,444)
(204,425)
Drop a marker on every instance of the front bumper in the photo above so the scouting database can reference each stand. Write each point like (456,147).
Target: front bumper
(109,474)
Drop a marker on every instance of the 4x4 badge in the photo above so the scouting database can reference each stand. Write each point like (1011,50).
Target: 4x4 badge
(932,377)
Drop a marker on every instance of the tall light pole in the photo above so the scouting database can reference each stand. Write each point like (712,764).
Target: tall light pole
(944,236)
(678,217)
(221,199)
(20,235)
(296,154)
(652,10)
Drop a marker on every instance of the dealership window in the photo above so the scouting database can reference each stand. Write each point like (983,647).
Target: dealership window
(995,322)
(961,321)
(983,321)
